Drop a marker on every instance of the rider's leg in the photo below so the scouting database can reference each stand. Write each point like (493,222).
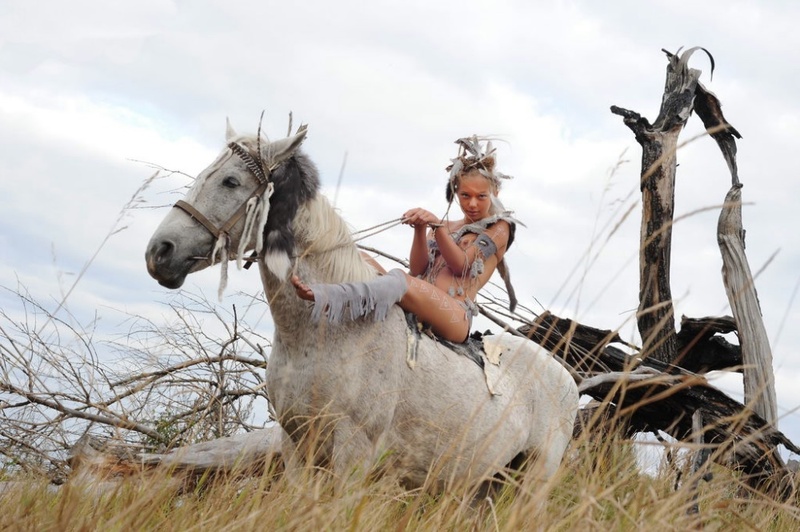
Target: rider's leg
(447,317)
(354,300)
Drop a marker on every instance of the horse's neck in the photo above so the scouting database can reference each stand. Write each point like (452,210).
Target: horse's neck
(325,254)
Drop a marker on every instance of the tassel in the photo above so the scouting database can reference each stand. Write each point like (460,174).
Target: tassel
(222,247)
(374,297)
(249,222)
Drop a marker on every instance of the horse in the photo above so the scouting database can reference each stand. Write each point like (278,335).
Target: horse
(349,396)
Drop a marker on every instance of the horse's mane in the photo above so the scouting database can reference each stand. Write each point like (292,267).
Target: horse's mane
(298,221)
(328,244)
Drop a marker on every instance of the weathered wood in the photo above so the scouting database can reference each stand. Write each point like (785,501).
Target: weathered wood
(709,109)
(659,141)
(649,400)
(701,350)
(98,461)
(579,345)
(648,395)
(655,393)
(240,451)
(759,381)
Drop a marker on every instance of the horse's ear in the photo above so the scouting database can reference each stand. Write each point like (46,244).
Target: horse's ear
(229,131)
(278,151)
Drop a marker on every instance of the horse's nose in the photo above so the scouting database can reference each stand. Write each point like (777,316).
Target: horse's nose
(158,254)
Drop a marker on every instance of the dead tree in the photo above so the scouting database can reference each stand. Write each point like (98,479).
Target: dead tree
(645,395)
(654,390)
(684,94)
(659,141)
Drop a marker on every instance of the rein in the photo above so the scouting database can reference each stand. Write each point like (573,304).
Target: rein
(379,228)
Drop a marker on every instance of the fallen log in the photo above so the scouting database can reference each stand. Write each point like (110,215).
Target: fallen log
(248,453)
(700,345)
(702,348)
(645,395)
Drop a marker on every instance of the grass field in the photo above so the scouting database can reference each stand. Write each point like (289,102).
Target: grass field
(599,487)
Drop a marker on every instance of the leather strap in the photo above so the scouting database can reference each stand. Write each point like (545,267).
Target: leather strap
(197,215)
(208,224)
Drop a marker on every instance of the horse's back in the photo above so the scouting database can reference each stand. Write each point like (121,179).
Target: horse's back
(551,391)
(480,419)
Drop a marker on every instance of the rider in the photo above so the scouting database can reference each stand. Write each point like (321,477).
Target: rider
(450,260)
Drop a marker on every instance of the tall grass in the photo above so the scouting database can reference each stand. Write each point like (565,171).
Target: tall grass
(599,487)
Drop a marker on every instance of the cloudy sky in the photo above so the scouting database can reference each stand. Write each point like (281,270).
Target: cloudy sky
(95,94)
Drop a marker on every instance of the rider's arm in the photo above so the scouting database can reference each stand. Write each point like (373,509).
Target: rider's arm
(420,219)
(418,257)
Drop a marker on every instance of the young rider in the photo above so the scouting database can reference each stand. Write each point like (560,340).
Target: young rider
(450,261)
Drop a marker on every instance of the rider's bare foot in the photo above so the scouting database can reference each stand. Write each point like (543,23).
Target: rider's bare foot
(303,291)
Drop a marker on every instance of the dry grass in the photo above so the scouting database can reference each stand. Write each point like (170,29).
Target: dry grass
(599,487)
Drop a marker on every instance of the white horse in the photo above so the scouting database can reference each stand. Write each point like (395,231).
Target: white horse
(346,395)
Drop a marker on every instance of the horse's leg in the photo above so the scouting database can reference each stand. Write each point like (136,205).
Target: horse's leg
(292,461)
(353,452)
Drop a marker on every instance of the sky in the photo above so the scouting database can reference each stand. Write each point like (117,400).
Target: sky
(96,95)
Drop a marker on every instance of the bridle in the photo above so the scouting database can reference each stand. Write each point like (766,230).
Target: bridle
(264,180)
(264,177)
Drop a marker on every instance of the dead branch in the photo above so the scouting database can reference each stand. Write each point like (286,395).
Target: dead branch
(645,395)
(60,382)
(759,381)
(702,348)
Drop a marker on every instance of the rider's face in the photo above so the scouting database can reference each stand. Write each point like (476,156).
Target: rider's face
(474,196)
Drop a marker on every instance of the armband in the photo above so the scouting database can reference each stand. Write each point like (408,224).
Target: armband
(486,245)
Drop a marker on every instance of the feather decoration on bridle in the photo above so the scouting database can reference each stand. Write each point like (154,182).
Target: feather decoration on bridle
(257,207)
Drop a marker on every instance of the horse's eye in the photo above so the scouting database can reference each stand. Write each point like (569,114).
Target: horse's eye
(230,182)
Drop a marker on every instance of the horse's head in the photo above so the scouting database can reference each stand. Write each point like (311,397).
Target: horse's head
(245,200)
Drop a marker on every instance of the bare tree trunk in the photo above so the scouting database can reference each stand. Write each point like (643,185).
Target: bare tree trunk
(759,380)
(656,316)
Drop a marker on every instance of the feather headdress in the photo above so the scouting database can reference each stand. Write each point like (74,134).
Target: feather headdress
(474,156)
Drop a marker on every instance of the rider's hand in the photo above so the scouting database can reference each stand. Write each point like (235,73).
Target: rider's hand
(420,218)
